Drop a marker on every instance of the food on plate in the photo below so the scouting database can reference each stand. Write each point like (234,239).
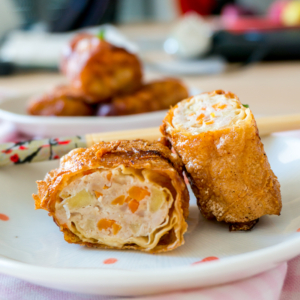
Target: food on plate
(156,95)
(227,167)
(61,101)
(99,69)
(121,194)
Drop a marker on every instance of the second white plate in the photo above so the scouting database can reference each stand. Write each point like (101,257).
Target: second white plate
(13,110)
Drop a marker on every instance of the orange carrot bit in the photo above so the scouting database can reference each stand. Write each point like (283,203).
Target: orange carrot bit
(210,122)
(105,224)
(203,108)
(222,106)
(106,187)
(200,117)
(133,205)
(128,199)
(215,106)
(108,176)
(200,122)
(119,200)
(191,114)
(116,228)
(98,194)
(138,193)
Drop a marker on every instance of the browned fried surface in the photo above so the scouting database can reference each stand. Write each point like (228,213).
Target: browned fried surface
(228,170)
(61,101)
(243,226)
(157,95)
(137,154)
(99,69)
(69,49)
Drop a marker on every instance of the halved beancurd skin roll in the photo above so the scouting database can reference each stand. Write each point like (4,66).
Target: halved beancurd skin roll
(218,141)
(121,195)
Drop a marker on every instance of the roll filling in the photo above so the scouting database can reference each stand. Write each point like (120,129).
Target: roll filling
(115,207)
(119,198)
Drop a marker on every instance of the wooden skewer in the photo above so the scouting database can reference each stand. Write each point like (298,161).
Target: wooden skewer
(266,126)
(48,149)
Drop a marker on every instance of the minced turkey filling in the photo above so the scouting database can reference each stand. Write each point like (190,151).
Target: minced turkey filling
(115,206)
(206,112)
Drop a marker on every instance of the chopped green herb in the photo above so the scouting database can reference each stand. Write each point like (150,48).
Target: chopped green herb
(246,105)
(101,34)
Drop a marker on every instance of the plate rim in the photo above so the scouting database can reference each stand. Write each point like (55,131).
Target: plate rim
(126,279)
(49,120)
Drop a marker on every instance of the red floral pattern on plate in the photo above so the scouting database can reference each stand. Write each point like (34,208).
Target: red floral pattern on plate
(110,261)
(4,217)
(206,259)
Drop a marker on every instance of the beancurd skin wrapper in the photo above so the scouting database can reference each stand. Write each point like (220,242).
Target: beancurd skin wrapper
(61,101)
(137,155)
(228,169)
(99,69)
(154,96)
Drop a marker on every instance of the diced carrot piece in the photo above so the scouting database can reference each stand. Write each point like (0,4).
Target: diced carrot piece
(116,228)
(191,114)
(106,187)
(98,194)
(222,106)
(203,108)
(105,224)
(138,193)
(119,200)
(128,199)
(210,122)
(109,175)
(200,117)
(219,106)
(133,205)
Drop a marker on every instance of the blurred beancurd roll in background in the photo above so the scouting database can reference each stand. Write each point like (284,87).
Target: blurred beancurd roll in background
(122,195)
(99,69)
(156,95)
(218,141)
(61,101)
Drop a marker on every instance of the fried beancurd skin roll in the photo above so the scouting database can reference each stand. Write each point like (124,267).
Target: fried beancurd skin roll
(61,101)
(157,95)
(99,69)
(218,141)
(121,195)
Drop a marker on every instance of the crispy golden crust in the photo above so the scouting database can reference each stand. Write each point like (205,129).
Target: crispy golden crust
(69,49)
(228,170)
(157,95)
(138,154)
(61,101)
(101,71)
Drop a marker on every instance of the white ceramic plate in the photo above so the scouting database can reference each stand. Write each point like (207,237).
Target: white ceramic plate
(33,248)
(13,110)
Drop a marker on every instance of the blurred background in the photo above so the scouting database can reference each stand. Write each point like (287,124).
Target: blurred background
(251,47)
